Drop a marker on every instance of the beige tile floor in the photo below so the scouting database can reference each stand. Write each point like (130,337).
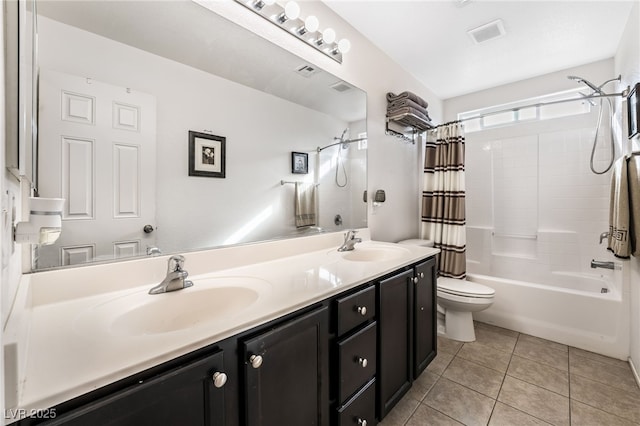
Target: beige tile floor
(510,378)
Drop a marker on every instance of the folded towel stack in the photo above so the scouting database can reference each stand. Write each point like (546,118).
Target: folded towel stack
(407,103)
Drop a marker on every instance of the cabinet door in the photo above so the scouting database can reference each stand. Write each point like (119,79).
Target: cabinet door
(395,325)
(425,337)
(286,373)
(183,396)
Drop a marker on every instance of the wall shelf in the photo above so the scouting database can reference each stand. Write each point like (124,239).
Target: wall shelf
(412,120)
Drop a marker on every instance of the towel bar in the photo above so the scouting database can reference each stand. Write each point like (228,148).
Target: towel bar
(283,182)
(523,237)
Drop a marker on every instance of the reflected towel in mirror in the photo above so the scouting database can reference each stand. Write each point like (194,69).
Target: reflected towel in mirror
(305,204)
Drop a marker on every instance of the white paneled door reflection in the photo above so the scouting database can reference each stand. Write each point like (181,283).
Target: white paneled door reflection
(97,148)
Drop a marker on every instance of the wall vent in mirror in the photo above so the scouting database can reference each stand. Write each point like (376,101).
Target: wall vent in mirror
(288,18)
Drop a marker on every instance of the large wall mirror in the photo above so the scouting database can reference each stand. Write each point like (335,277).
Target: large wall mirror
(122,85)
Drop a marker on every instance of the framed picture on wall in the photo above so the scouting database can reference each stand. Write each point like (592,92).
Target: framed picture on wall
(633,110)
(299,163)
(206,155)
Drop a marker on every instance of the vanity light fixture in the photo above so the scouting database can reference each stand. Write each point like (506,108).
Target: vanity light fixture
(259,4)
(328,36)
(291,11)
(343,46)
(288,18)
(311,24)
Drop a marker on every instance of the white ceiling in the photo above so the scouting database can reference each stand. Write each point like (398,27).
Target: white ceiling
(429,39)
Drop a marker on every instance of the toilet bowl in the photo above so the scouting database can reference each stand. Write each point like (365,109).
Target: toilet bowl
(459,299)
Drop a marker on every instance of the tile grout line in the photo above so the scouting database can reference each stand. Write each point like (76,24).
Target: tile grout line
(503,379)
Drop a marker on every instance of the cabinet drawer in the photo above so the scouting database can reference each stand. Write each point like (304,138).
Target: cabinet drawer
(356,309)
(357,360)
(360,409)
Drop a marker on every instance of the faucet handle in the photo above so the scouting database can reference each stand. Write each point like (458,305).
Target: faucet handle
(175,263)
(351,234)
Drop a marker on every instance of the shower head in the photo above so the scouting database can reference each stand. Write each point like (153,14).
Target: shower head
(341,138)
(585,82)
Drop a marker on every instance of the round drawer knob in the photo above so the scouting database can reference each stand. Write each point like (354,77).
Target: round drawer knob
(363,362)
(362,310)
(421,274)
(415,280)
(362,422)
(219,379)
(256,361)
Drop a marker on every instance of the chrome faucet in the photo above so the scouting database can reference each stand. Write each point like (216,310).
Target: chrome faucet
(175,279)
(603,236)
(152,251)
(601,264)
(350,241)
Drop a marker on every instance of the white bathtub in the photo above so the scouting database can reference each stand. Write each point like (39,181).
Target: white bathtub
(574,311)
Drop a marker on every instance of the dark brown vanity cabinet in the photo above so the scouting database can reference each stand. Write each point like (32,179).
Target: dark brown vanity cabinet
(407,331)
(286,373)
(191,394)
(355,358)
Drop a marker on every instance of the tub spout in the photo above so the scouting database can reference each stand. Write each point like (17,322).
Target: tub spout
(601,264)
(603,236)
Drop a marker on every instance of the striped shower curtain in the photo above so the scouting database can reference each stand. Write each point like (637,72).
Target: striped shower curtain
(443,211)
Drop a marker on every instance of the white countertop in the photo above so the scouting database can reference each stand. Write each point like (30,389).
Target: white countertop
(67,343)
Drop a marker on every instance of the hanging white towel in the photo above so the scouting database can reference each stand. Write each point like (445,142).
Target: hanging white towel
(624,207)
(633,178)
(305,204)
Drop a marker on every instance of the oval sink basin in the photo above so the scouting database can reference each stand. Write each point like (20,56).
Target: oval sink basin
(170,313)
(139,313)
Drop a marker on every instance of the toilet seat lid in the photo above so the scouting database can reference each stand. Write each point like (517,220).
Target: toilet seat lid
(464,288)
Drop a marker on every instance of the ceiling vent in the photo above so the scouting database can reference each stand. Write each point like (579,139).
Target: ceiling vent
(487,32)
(340,86)
(307,70)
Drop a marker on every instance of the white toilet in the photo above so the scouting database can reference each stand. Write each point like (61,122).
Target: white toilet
(457,300)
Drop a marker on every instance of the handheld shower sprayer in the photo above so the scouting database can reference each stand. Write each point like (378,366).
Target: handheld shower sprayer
(597,90)
(341,138)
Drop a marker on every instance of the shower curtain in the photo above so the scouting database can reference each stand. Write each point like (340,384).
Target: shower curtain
(443,198)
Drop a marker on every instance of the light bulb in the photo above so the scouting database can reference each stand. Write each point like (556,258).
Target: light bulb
(311,23)
(329,35)
(292,10)
(344,45)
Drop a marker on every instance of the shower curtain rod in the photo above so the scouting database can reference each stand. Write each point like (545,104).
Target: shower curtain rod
(538,104)
(338,143)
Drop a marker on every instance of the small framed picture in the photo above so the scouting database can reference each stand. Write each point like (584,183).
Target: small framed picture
(633,111)
(206,155)
(299,163)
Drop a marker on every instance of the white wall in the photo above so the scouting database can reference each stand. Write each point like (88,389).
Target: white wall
(627,63)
